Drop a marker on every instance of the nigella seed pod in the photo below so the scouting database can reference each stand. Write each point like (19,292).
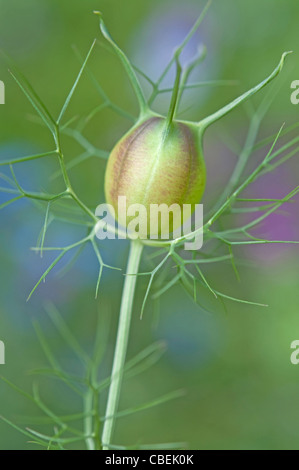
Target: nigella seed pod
(160,160)
(156,164)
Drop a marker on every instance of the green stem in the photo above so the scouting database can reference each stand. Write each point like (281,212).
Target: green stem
(204,123)
(121,341)
(88,420)
(187,72)
(179,50)
(175,94)
(61,159)
(127,65)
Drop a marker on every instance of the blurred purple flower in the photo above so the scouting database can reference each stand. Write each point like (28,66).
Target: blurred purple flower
(282,224)
(164,30)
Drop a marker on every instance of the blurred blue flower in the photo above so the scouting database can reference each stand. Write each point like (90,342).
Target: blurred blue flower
(193,338)
(159,35)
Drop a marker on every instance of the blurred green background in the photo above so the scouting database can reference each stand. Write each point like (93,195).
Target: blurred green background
(242,392)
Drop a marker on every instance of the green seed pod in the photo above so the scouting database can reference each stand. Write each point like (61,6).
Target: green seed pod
(156,164)
(160,161)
